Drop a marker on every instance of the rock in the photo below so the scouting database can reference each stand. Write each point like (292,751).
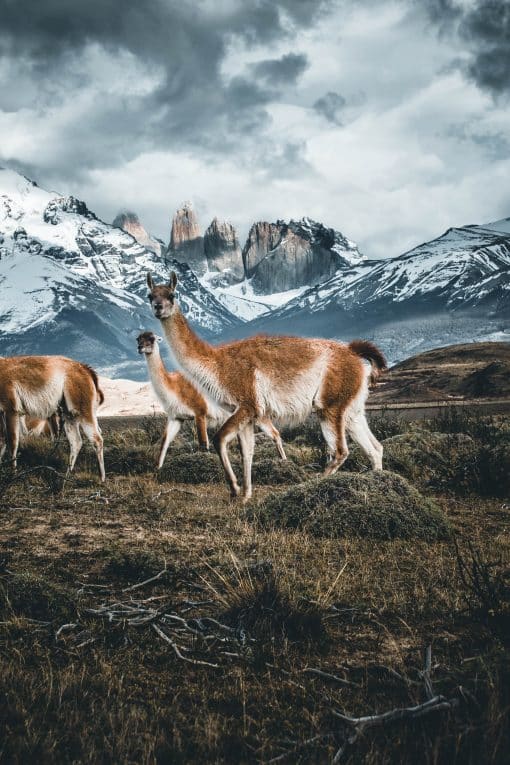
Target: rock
(130,222)
(282,256)
(263,238)
(223,253)
(186,241)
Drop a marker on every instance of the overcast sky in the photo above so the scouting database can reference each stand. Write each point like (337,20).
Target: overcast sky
(388,120)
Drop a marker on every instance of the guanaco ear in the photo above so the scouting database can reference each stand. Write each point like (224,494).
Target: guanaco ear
(173,280)
(150,282)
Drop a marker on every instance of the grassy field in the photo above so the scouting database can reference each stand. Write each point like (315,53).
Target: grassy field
(152,620)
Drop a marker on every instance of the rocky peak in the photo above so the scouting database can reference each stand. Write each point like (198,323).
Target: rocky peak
(282,256)
(69,204)
(223,253)
(186,241)
(129,221)
(262,238)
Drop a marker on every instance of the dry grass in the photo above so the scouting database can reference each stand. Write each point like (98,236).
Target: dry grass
(358,609)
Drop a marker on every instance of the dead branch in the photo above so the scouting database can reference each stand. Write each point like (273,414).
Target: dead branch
(177,651)
(146,581)
(361,724)
(300,746)
(64,628)
(426,672)
(328,676)
(433,704)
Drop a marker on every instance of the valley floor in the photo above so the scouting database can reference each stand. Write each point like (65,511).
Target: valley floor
(87,573)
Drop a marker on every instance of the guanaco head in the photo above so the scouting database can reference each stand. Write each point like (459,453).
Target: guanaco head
(162,296)
(147,342)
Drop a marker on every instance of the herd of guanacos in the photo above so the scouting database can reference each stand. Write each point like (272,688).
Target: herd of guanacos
(234,387)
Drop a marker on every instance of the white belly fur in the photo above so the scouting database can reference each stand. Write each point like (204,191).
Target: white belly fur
(293,402)
(43,402)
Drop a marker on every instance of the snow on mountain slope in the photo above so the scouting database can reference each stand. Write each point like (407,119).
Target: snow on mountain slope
(243,302)
(465,266)
(71,282)
(500,225)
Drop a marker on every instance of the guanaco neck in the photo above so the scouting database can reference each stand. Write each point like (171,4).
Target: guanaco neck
(155,365)
(186,346)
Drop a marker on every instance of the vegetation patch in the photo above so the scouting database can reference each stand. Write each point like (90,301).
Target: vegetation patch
(32,596)
(378,505)
(191,467)
(256,602)
(129,461)
(275,471)
(452,462)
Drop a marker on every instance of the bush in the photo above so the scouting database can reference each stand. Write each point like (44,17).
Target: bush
(463,420)
(475,469)
(452,462)
(378,504)
(125,461)
(420,455)
(191,467)
(276,471)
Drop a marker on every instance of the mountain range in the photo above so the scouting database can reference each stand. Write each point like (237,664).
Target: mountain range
(73,284)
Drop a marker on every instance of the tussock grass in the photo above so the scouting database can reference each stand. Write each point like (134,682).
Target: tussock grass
(378,505)
(258,602)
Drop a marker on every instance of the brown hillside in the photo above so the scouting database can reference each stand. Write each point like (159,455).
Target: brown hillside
(470,370)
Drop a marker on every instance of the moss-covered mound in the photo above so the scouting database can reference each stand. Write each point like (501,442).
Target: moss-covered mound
(192,467)
(379,505)
(123,461)
(275,471)
(300,454)
(420,455)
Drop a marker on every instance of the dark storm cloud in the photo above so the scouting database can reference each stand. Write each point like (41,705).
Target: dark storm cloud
(485,29)
(190,106)
(281,71)
(329,106)
(488,28)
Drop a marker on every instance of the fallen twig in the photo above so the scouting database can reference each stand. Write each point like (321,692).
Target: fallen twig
(177,651)
(360,724)
(146,581)
(328,676)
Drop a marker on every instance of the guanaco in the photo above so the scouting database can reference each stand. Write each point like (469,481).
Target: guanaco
(182,401)
(284,378)
(39,386)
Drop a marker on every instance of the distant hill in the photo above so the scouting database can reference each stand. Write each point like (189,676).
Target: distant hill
(470,370)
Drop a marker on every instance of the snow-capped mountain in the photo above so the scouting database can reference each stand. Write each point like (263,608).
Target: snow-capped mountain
(456,287)
(71,284)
